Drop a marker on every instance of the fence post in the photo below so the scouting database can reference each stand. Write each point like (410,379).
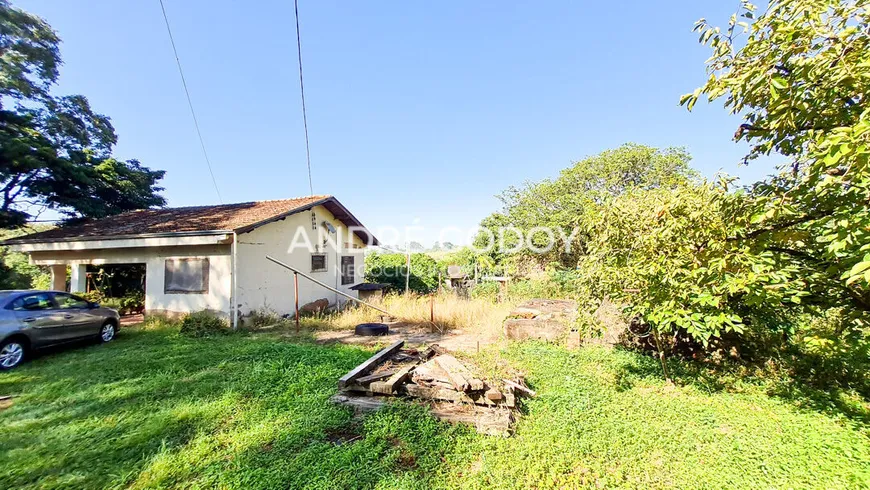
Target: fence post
(296,294)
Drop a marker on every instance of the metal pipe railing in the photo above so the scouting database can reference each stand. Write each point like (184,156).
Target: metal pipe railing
(306,276)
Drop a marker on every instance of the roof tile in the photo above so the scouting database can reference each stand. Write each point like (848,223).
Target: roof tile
(171,220)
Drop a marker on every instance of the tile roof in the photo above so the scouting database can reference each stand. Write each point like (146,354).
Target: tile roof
(238,217)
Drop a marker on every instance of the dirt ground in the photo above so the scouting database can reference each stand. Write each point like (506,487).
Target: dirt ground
(414,335)
(128,320)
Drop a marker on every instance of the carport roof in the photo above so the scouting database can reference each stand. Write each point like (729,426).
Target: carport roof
(193,220)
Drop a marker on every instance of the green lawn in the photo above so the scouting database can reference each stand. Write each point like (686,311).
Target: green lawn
(154,409)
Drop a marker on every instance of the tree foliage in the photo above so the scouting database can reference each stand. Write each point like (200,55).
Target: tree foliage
(390,268)
(56,151)
(798,73)
(563,204)
(703,259)
(668,254)
(16,271)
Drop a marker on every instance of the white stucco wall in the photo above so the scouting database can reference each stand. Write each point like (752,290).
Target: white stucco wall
(265,285)
(156,301)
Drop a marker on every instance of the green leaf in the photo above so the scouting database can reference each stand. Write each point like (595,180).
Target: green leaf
(856,269)
(778,82)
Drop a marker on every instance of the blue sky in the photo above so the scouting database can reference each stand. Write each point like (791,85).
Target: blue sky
(419,112)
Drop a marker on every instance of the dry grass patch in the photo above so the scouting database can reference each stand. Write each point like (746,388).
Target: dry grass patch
(450,313)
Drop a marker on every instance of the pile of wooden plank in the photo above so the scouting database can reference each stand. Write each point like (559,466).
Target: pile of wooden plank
(433,376)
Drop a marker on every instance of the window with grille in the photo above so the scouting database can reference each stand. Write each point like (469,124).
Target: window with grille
(318,262)
(347,269)
(185,276)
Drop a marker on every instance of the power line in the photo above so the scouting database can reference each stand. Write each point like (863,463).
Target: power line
(302,92)
(190,103)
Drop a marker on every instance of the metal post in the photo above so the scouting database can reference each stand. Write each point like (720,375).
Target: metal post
(432,308)
(408,271)
(234,308)
(296,294)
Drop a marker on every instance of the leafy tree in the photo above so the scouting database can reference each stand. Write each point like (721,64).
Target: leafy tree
(390,268)
(798,73)
(416,246)
(16,271)
(467,259)
(55,151)
(666,253)
(562,204)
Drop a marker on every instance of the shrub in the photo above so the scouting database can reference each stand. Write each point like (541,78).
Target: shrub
(263,318)
(485,290)
(133,302)
(94,296)
(390,269)
(203,324)
(113,303)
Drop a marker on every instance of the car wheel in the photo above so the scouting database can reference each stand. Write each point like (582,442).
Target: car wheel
(11,353)
(107,332)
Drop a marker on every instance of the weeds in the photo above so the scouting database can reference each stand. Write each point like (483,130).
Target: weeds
(203,324)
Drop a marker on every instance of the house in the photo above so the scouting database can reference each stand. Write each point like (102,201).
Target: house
(214,257)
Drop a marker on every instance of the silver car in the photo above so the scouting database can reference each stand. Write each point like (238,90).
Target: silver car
(34,319)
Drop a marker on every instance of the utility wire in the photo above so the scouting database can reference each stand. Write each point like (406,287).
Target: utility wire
(190,103)
(302,92)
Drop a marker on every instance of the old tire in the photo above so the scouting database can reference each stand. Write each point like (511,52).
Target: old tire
(371,329)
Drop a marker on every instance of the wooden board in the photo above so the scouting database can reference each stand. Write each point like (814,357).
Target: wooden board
(387,387)
(518,387)
(492,421)
(361,403)
(429,371)
(459,375)
(494,395)
(476,398)
(374,377)
(370,364)
(431,351)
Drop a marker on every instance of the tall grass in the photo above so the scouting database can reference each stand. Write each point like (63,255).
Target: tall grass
(447,310)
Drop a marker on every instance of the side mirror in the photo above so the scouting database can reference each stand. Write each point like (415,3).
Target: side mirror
(94,305)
